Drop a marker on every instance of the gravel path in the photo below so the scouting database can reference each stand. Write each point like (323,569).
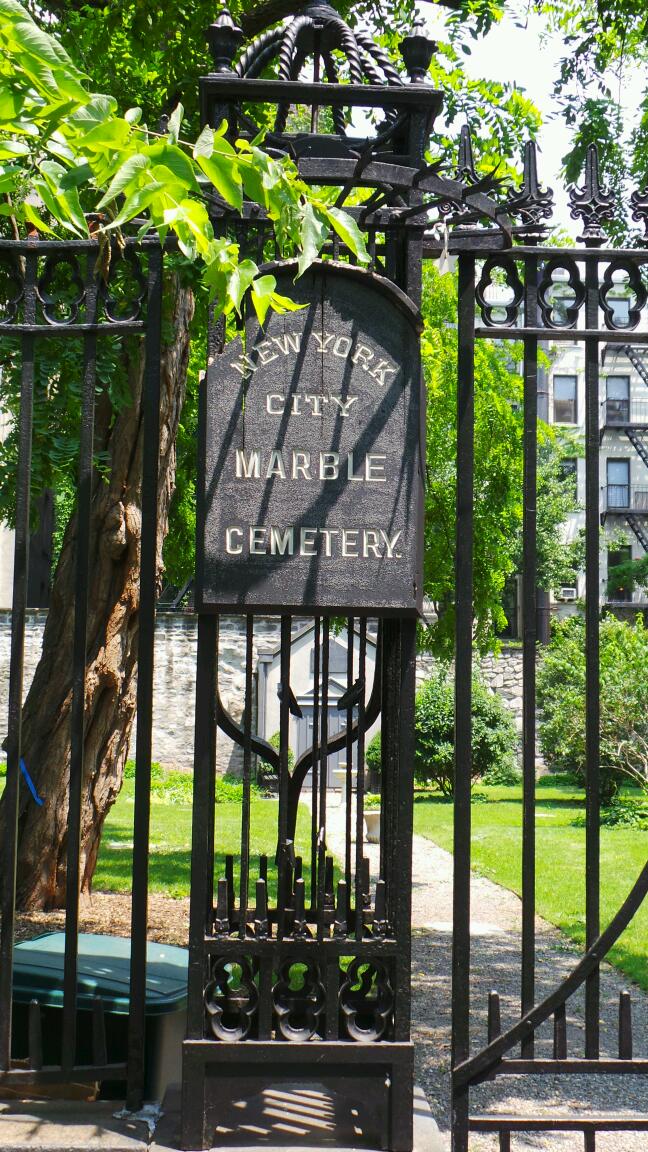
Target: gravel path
(495,932)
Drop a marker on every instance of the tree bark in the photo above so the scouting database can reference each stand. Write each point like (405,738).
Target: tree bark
(112,634)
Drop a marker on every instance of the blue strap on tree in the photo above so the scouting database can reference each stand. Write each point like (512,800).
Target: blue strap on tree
(30,782)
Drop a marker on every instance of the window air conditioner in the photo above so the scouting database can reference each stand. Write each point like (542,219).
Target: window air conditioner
(568,593)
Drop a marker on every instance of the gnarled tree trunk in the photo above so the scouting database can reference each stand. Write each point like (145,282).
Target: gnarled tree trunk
(112,635)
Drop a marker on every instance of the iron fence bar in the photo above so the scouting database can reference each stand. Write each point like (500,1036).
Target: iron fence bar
(529,641)
(315,760)
(123,327)
(590,332)
(321,833)
(16,666)
(559,1124)
(359,854)
(348,779)
(284,741)
(389,757)
(463,694)
(145,664)
(202,835)
(77,712)
(403,800)
(247,773)
(592,656)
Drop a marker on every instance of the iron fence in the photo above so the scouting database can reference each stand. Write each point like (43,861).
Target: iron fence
(55,289)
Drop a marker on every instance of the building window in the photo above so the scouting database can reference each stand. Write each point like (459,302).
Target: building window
(620,306)
(618,483)
(619,589)
(618,399)
(565,399)
(569,473)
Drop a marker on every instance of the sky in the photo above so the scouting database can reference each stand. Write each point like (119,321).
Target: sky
(523,56)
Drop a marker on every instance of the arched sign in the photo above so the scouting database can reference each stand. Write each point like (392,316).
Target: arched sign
(313,455)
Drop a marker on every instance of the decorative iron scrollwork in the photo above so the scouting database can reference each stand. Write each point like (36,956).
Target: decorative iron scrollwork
(593,203)
(298,998)
(366,1000)
(125,292)
(500,272)
(560,298)
(231,999)
(11,291)
(632,284)
(61,290)
(639,205)
(531,203)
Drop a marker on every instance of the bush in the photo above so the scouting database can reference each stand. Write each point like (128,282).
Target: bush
(267,769)
(172,786)
(503,775)
(373,760)
(493,733)
(493,736)
(624,703)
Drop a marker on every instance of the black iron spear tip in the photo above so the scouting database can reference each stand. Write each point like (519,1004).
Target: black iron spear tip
(224,38)
(417,50)
(592,203)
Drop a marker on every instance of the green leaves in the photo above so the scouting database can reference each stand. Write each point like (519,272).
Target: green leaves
(348,231)
(71,148)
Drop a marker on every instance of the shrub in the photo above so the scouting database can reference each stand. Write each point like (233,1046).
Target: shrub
(503,775)
(493,732)
(172,786)
(373,754)
(493,736)
(624,703)
(267,769)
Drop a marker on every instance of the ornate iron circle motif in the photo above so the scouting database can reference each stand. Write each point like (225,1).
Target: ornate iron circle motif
(552,306)
(298,999)
(366,1000)
(500,313)
(231,999)
(12,290)
(633,284)
(124,293)
(61,290)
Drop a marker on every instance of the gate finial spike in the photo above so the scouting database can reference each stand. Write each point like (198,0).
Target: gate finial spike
(593,203)
(465,160)
(531,202)
(417,50)
(224,38)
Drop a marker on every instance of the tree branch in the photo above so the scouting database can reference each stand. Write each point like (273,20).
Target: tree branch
(261,15)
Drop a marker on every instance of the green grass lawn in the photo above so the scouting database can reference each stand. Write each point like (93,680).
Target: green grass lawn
(560,887)
(170,853)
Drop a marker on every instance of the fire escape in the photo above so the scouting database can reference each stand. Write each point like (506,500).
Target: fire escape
(630,417)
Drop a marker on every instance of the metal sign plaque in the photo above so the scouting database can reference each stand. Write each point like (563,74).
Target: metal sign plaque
(312,454)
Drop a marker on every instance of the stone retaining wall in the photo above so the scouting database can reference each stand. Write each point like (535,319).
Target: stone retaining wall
(175,679)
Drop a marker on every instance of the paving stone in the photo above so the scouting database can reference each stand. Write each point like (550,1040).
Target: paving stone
(66,1126)
(298,1118)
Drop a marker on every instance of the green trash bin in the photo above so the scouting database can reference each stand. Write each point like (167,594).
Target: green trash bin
(103,970)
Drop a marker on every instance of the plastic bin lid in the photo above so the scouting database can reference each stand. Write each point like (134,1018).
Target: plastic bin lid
(103,970)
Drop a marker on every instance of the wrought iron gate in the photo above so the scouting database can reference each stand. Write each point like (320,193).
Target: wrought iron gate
(531,314)
(237,994)
(55,290)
